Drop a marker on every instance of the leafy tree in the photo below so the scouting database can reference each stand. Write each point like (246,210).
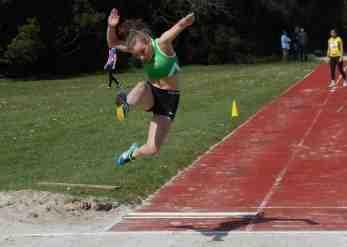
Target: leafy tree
(25,49)
(79,39)
(71,33)
(209,39)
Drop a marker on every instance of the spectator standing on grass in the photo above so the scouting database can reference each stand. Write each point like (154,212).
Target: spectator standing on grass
(302,42)
(110,66)
(335,55)
(295,43)
(285,44)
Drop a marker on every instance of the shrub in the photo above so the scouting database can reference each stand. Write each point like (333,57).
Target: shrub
(25,49)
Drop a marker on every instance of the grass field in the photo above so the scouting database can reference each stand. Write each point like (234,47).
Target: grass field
(65,130)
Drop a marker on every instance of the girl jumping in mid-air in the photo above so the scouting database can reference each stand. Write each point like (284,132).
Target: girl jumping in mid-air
(160,92)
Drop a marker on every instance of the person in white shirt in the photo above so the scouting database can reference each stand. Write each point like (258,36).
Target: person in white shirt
(285,44)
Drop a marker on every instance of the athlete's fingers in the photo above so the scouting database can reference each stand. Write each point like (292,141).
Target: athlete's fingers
(191,18)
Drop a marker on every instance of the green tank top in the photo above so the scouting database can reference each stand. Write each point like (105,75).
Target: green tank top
(161,65)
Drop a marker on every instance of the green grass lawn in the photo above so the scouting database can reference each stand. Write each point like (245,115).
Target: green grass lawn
(66,131)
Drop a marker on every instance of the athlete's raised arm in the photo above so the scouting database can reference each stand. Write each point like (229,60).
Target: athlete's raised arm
(169,36)
(113,40)
(111,33)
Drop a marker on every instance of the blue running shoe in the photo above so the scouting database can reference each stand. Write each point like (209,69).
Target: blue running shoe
(126,156)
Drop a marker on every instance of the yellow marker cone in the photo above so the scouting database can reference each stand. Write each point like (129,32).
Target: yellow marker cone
(234,110)
(120,113)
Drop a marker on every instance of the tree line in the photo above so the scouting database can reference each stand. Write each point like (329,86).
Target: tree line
(68,36)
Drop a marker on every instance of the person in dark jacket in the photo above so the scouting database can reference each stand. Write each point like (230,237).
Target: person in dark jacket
(302,45)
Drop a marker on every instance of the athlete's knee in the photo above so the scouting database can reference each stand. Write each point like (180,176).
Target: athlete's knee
(141,84)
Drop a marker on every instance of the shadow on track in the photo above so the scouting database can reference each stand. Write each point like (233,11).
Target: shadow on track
(222,230)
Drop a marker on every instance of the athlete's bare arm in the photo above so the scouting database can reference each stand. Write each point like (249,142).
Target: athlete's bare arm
(166,39)
(111,34)
(113,40)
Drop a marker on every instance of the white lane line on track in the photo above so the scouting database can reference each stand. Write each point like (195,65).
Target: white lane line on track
(297,207)
(191,215)
(192,232)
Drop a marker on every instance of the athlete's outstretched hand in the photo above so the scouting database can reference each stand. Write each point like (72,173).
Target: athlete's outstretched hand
(189,20)
(113,18)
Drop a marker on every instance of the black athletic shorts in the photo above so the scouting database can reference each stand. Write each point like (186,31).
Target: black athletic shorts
(165,101)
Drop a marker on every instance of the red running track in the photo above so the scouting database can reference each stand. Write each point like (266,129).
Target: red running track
(289,161)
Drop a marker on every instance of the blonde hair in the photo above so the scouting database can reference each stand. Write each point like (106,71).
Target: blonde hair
(135,35)
(132,30)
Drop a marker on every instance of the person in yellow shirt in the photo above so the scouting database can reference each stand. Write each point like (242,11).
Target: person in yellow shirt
(335,55)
